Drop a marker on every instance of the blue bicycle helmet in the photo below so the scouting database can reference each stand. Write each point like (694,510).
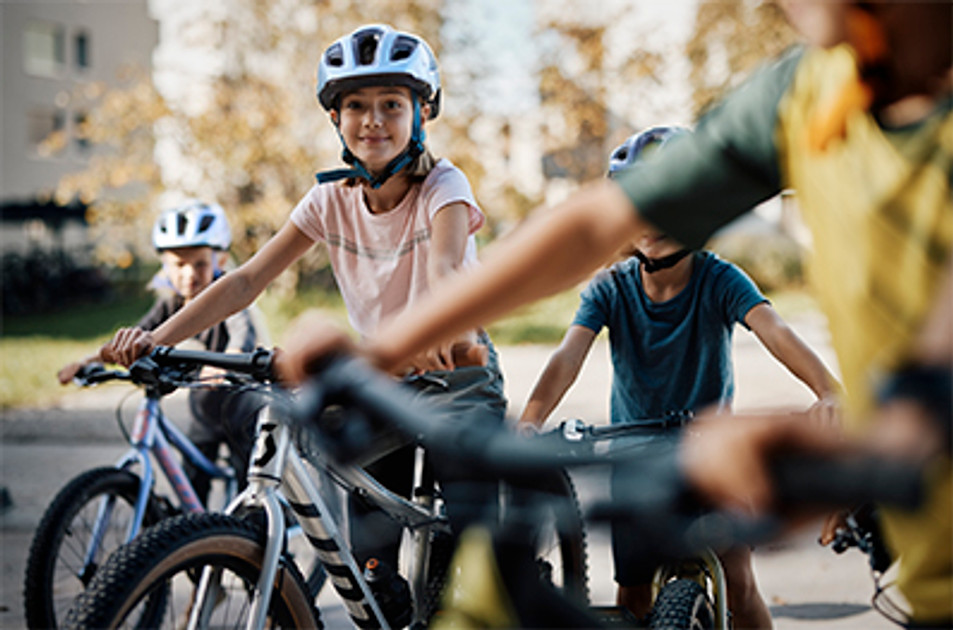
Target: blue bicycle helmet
(634,147)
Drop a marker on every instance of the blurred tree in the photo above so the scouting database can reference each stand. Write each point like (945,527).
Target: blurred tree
(730,38)
(244,129)
(606,73)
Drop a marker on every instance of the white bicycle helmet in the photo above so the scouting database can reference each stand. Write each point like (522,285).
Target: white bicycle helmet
(631,150)
(376,54)
(193,224)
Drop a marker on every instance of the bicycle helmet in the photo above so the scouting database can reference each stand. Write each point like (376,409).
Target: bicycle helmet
(375,55)
(193,224)
(633,148)
(631,152)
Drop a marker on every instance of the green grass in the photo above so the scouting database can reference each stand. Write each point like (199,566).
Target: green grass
(33,348)
(542,322)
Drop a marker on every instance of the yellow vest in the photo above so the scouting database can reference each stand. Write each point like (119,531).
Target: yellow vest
(880,210)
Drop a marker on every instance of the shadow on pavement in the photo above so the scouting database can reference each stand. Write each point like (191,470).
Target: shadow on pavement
(818,610)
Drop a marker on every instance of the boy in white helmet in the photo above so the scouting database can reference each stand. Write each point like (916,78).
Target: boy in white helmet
(192,241)
(394,222)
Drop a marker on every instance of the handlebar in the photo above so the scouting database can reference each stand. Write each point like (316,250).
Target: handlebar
(167,368)
(800,479)
(95,373)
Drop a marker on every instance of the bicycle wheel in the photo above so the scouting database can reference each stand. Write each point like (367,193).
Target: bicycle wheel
(170,557)
(682,605)
(560,556)
(57,569)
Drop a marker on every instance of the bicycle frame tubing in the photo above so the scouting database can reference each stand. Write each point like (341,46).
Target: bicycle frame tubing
(152,431)
(274,461)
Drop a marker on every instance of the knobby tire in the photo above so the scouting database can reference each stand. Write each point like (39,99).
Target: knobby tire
(56,572)
(171,556)
(682,605)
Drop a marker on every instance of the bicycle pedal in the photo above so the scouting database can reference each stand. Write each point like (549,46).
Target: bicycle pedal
(615,616)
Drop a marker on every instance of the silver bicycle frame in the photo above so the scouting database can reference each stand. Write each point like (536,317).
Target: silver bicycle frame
(275,461)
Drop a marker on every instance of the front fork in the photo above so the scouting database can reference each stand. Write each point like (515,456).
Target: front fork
(142,434)
(272,461)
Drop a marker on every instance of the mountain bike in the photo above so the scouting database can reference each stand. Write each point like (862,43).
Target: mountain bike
(103,508)
(689,592)
(226,571)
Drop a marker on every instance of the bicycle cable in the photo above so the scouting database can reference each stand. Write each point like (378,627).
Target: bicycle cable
(885,605)
(122,427)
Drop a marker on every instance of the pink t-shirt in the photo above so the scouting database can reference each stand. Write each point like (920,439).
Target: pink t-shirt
(380,260)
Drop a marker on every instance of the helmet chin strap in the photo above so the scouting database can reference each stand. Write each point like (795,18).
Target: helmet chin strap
(651,265)
(414,148)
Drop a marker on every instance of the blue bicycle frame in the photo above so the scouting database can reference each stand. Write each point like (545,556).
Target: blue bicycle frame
(152,432)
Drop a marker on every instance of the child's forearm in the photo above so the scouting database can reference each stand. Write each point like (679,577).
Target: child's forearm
(807,367)
(787,347)
(557,377)
(221,299)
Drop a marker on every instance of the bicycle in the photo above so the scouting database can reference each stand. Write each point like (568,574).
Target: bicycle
(688,592)
(104,507)
(675,537)
(217,565)
(374,402)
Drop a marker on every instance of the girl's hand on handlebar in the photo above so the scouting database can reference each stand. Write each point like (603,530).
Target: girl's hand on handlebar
(439,358)
(127,345)
(460,353)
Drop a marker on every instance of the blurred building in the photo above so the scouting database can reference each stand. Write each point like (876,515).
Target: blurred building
(56,57)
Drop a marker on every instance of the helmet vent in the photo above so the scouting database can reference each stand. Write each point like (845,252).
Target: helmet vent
(403,47)
(365,44)
(335,56)
(181,222)
(206,222)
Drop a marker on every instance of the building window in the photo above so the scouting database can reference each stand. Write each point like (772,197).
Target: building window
(46,128)
(80,131)
(43,49)
(81,50)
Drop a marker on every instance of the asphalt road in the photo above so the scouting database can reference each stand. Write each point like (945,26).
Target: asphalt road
(806,586)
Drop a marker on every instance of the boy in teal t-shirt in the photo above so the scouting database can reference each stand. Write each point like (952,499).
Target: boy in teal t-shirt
(670,314)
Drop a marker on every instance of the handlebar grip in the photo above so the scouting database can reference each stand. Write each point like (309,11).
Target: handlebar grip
(94,373)
(257,363)
(846,480)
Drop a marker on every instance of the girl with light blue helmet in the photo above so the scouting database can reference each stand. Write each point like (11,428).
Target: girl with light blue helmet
(395,222)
